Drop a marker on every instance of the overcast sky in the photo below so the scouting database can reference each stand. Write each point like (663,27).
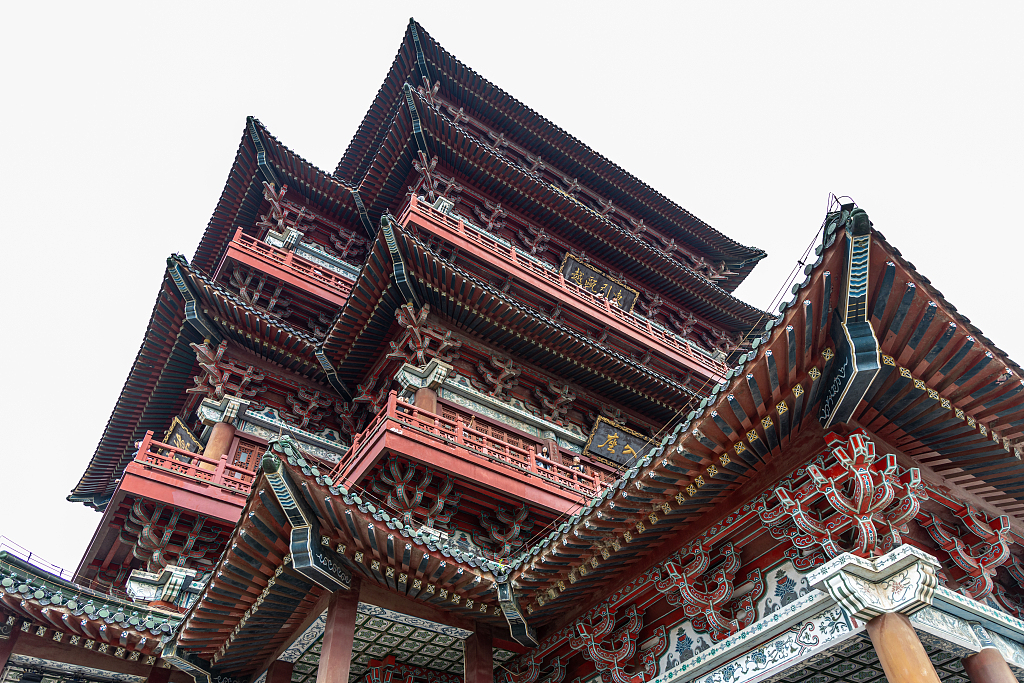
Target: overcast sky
(121,123)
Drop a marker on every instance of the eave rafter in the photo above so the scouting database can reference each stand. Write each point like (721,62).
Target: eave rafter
(69,614)
(530,195)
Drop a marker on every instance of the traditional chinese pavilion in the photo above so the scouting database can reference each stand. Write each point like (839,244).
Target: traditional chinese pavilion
(479,406)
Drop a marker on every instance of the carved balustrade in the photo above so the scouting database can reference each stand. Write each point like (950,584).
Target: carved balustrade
(477,439)
(597,306)
(286,265)
(217,472)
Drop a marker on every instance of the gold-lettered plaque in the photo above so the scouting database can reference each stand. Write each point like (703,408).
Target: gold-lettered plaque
(616,444)
(599,283)
(179,436)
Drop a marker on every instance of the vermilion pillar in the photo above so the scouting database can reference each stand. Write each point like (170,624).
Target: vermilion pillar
(900,651)
(336,653)
(7,647)
(988,666)
(426,399)
(220,440)
(280,672)
(478,651)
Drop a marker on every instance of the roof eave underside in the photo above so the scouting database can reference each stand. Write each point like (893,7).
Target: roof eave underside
(256,330)
(354,341)
(261,541)
(461,304)
(152,395)
(743,402)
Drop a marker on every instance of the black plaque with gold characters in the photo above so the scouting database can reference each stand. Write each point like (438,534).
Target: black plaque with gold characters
(179,436)
(599,283)
(616,444)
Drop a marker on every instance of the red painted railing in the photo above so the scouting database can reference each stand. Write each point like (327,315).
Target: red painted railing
(292,261)
(193,466)
(596,302)
(455,435)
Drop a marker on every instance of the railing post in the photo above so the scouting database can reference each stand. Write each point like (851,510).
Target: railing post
(533,458)
(462,227)
(392,402)
(218,474)
(460,433)
(144,445)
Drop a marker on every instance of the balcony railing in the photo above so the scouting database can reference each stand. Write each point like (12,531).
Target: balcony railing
(339,287)
(522,456)
(597,306)
(165,457)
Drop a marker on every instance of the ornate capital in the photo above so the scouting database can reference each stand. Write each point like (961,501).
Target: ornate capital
(429,376)
(903,581)
(229,409)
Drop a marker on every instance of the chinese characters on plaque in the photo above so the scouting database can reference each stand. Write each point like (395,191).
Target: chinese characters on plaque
(616,444)
(179,436)
(599,283)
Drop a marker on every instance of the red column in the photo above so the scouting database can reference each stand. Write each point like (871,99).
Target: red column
(478,664)
(988,666)
(336,653)
(220,440)
(899,650)
(426,399)
(7,646)
(280,672)
(159,675)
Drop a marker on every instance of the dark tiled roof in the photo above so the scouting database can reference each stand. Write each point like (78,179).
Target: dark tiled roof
(466,88)
(152,395)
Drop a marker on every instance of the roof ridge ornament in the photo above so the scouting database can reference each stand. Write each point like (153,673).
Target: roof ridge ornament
(310,557)
(857,354)
(261,153)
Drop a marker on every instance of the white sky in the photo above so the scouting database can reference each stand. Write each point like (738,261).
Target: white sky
(122,120)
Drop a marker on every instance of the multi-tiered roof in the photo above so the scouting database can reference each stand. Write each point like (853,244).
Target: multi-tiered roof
(505,153)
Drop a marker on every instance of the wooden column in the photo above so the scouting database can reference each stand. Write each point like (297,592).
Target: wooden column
(159,675)
(426,399)
(7,646)
(280,672)
(988,666)
(900,651)
(336,653)
(220,441)
(478,663)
